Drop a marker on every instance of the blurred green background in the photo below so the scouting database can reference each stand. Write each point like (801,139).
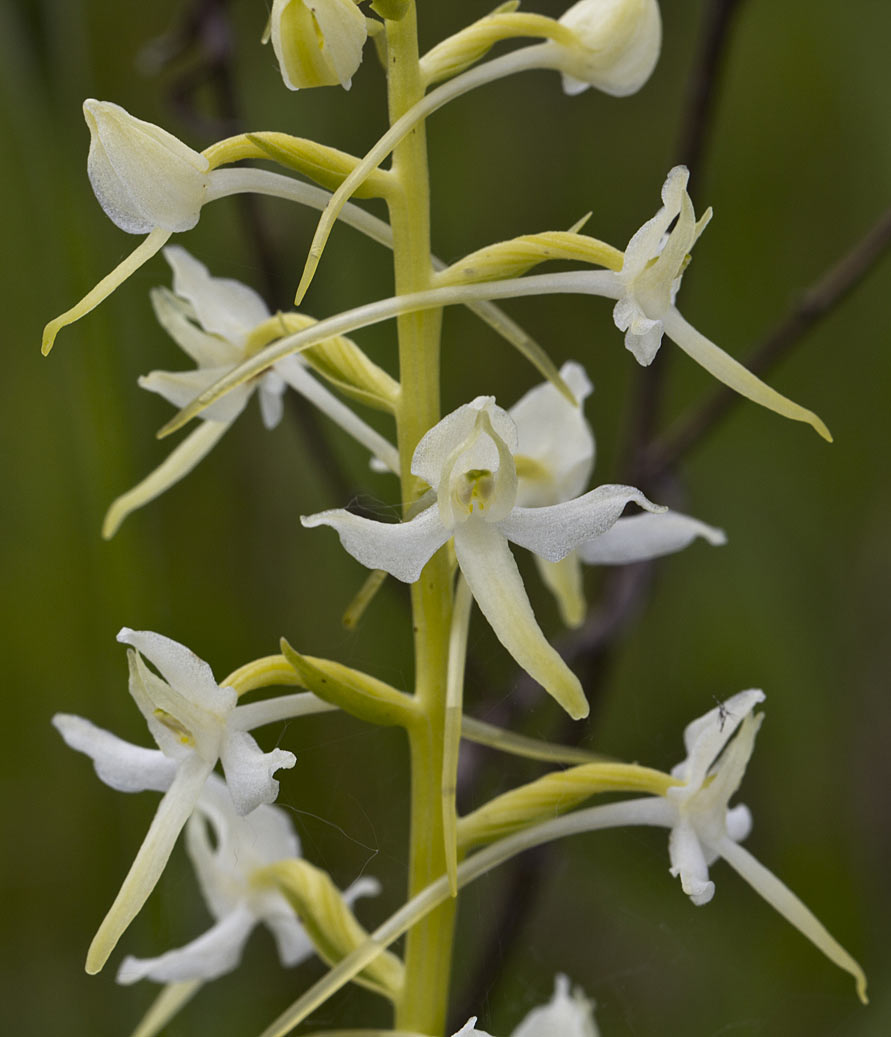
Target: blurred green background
(798,167)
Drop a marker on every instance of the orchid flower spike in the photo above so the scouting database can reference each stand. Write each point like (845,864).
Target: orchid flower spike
(213,320)
(318,43)
(565,1015)
(468,459)
(555,458)
(195,723)
(704,827)
(228,866)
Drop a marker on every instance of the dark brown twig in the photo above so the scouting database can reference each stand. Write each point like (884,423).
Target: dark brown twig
(824,295)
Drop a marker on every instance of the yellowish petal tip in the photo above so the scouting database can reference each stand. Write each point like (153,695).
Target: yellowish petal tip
(49,336)
(860,980)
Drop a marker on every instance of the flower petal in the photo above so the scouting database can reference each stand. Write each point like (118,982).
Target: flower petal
(564,1015)
(564,580)
(190,676)
(448,436)
(783,900)
(224,307)
(291,941)
(249,770)
(554,433)
(151,858)
(123,766)
(177,318)
(705,737)
(554,531)
(639,537)
(181,387)
(733,374)
(297,376)
(400,548)
(193,449)
(495,582)
(344,31)
(142,176)
(688,861)
(212,954)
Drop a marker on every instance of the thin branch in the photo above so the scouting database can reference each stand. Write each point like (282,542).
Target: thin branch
(702,86)
(824,295)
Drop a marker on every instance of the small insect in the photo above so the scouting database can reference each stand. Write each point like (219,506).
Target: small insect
(723,713)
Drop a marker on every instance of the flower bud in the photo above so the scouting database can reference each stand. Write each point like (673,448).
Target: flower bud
(318,44)
(143,176)
(619,43)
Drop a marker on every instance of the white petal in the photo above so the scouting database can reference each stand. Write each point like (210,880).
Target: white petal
(705,737)
(563,1016)
(291,941)
(175,317)
(213,954)
(688,861)
(734,375)
(344,31)
(639,537)
(469,1030)
(151,858)
(272,388)
(143,176)
(555,434)
(223,306)
(739,822)
(123,766)
(449,434)
(297,376)
(783,900)
(564,580)
(181,387)
(554,531)
(496,584)
(400,548)
(188,675)
(249,770)
(193,449)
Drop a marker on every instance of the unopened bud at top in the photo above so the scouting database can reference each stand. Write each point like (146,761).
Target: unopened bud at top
(143,176)
(318,43)
(619,44)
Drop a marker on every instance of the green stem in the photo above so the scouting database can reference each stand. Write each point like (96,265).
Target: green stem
(428,947)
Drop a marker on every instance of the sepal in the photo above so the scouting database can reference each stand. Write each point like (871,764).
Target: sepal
(392,10)
(351,690)
(330,923)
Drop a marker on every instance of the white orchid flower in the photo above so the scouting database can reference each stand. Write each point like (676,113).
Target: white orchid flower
(655,259)
(468,459)
(565,1015)
(704,827)
(195,723)
(555,458)
(618,45)
(211,319)
(318,43)
(227,866)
